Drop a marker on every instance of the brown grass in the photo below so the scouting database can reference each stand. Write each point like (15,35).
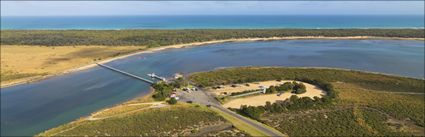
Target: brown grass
(22,63)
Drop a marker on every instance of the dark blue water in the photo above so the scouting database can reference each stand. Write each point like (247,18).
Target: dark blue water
(31,108)
(214,22)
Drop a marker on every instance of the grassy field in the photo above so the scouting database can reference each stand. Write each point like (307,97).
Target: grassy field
(181,119)
(367,104)
(399,106)
(20,63)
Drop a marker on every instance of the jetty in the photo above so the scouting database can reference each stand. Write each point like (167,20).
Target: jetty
(153,75)
(126,73)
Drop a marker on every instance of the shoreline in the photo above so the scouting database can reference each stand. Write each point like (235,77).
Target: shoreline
(188,45)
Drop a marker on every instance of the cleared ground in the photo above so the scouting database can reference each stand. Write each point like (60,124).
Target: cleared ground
(260,100)
(23,63)
(228,89)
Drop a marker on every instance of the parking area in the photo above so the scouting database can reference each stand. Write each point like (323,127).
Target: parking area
(197,96)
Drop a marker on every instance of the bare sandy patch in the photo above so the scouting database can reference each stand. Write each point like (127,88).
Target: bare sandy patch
(228,89)
(261,100)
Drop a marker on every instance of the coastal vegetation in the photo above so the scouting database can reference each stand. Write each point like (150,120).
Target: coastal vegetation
(254,74)
(295,87)
(358,103)
(349,107)
(233,95)
(155,38)
(162,90)
(172,101)
(182,119)
(357,111)
(243,92)
(294,102)
(338,122)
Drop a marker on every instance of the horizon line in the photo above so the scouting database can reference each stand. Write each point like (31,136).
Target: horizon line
(215,15)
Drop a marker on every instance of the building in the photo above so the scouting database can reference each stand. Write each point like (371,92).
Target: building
(177,75)
(173,95)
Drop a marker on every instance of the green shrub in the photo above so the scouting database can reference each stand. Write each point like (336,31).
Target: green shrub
(162,90)
(251,111)
(172,101)
(170,121)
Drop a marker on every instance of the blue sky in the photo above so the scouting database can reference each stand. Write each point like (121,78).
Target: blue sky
(90,8)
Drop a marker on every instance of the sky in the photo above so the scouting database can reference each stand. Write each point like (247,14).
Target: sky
(113,8)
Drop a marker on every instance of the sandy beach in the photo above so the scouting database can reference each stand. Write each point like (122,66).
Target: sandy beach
(151,50)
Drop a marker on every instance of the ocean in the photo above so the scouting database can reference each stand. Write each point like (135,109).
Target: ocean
(212,22)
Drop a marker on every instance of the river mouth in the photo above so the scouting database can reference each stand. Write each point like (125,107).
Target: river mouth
(31,108)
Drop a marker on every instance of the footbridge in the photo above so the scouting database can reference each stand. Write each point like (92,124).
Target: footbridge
(126,73)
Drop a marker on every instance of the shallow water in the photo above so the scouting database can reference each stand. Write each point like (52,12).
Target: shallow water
(31,108)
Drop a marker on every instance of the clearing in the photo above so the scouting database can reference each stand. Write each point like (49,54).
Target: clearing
(260,100)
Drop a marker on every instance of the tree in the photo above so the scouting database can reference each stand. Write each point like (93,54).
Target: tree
(287,86)
(271,89)
(299,88)
(293,98)
(162,90)
(158,96)
(180,82)
(252,112)
(300,91)
(268,105)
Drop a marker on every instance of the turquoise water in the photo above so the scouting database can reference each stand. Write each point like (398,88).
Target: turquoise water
(31,108)
(213,22)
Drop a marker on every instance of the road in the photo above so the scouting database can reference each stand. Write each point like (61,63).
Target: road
(205,98)
(252,123)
